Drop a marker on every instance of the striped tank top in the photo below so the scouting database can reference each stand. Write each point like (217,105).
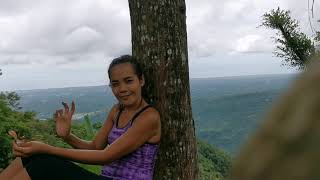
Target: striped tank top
(138,165)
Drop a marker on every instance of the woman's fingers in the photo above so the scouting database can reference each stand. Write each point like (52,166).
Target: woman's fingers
(25,144)
(66,111)
(73,107)
(13,134)
(60,112)
(16,147)
(22,148)
(66,107)
(64,114)
(18,154)
(55,115)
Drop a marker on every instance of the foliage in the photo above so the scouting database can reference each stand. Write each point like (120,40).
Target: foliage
(12,98)
(89,133)
(294,46)
(213,162)
(11,119)
(89,128)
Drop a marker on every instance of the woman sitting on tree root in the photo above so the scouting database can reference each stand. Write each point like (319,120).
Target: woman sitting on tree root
(126,144)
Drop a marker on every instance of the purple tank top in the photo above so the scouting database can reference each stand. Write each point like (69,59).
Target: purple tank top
(138,165)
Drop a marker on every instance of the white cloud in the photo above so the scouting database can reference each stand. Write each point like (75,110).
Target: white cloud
(82,38)
(253,43)
(247,43)
(59,28)
(218,26)
(75,33)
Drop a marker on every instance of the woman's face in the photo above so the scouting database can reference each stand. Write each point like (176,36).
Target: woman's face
(125,84)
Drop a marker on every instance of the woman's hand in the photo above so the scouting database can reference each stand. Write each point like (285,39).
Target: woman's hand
(27,149)
(63,120)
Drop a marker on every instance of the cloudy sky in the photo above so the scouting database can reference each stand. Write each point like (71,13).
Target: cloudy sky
(63,43)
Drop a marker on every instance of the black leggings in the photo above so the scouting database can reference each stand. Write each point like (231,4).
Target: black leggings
(40,167)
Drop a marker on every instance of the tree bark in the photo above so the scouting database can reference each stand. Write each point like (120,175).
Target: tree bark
(159,42)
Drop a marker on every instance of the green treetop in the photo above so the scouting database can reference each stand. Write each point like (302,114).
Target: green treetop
(294,46)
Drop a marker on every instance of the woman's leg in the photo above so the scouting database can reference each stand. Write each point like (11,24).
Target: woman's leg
(21,175)
(12,170)
(40,167)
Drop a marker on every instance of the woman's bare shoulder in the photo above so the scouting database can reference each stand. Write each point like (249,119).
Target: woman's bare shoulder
(113,112)
(152,114)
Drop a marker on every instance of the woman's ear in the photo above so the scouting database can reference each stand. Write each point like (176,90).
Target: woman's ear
(142,81)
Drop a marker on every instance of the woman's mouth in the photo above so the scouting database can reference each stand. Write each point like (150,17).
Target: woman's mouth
(125,97)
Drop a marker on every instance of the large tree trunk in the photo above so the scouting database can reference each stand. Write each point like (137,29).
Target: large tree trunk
(159,42)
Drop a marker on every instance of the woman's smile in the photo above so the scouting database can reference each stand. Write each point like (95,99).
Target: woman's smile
(125,97)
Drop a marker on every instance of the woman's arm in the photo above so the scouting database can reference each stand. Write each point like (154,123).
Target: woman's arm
(100,140)
(144,128)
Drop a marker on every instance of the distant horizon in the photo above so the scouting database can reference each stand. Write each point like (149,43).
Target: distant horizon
(213,77)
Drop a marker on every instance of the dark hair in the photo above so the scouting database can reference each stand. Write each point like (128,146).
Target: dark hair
(126,59)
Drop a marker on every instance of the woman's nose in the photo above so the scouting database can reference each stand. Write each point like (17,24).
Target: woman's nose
(122,88)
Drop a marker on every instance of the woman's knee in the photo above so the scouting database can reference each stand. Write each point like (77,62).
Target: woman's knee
(40,166)
(44,160)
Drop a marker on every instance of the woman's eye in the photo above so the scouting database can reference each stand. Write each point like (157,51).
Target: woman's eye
(129,81)
(114,84)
